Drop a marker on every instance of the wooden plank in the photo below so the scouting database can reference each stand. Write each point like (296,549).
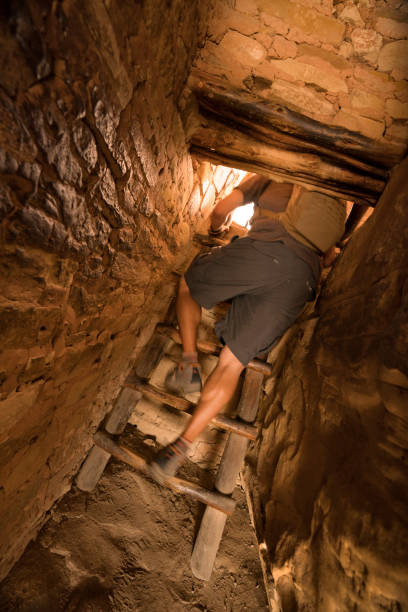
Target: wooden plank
(221,144)
(95,463)
(243,430)
(92,469)
(230,465)
(221,502)
(207,543)
(123,408)
(150,356)
(260,366)
(250,394)
(212,524)
(235,448)
(180,403)
(206,346)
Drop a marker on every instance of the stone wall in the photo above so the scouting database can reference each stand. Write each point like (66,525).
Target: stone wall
(329,478)
(342,63)
(99,199)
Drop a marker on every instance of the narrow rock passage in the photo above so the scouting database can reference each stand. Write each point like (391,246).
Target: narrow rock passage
(126,547)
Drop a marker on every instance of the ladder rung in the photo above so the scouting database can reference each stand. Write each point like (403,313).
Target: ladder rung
(206,346)
(221,502)
(222,421)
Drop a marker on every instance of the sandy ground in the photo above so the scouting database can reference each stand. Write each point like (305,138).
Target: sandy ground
(126,547)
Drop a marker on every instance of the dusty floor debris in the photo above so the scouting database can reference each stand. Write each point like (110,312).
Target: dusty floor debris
(127,547)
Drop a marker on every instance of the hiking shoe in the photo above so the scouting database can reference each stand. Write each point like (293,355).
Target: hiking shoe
(168,460)
(185,379)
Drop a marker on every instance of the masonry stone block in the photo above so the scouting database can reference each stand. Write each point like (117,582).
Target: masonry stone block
(358,123)
(392,28)
(309,20)
(275,24)
(367,44)
(242,49)
(284,48)
(297,70)
(324,58)
(375,81)
(244,24)
(351,14)
(397,110)
(401,91)
(367,104)
(246,6)
(398,132)
(394,57)
(302,98)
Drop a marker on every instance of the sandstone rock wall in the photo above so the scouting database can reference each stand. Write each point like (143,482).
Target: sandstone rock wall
(99,200)
(341,63)
(329,477)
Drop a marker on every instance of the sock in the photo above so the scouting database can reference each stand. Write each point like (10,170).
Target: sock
(185,441)
(181,445)
(191,357)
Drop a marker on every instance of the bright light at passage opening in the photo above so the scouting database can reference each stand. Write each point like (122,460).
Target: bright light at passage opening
(243,214)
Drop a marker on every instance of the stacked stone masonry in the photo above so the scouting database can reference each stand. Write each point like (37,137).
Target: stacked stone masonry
(342,63)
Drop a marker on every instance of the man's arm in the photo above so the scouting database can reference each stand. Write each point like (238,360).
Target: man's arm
(220,218)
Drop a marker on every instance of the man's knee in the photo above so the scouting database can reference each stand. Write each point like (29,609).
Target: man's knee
(229,361)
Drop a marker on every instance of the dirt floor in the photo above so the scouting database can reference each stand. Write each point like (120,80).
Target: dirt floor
(127,547)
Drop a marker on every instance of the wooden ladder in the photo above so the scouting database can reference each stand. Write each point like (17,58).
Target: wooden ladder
(241,430)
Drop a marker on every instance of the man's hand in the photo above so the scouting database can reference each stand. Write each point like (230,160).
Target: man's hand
(219,232)
(220,218)
(222,229)
(330,256)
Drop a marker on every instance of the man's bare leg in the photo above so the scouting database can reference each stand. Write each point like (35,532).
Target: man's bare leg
(186,377)
(188,316)
(217,391)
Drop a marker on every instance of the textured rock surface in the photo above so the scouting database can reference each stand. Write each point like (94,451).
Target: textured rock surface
(99,198)
(329,476)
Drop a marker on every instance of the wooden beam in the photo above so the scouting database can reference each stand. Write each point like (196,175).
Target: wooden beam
(245,108)
(150,356)
(216,500)
(224,145)
(122,411)
(96,461)
(235,449)
(243,130)
(213,522)
(92,469)
(204,346)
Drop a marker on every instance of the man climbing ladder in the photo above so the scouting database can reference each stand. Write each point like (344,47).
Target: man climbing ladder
(268,275)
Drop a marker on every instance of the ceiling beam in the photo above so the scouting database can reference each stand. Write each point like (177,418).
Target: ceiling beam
(237,129)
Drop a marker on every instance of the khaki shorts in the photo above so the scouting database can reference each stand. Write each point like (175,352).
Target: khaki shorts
(268,285)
